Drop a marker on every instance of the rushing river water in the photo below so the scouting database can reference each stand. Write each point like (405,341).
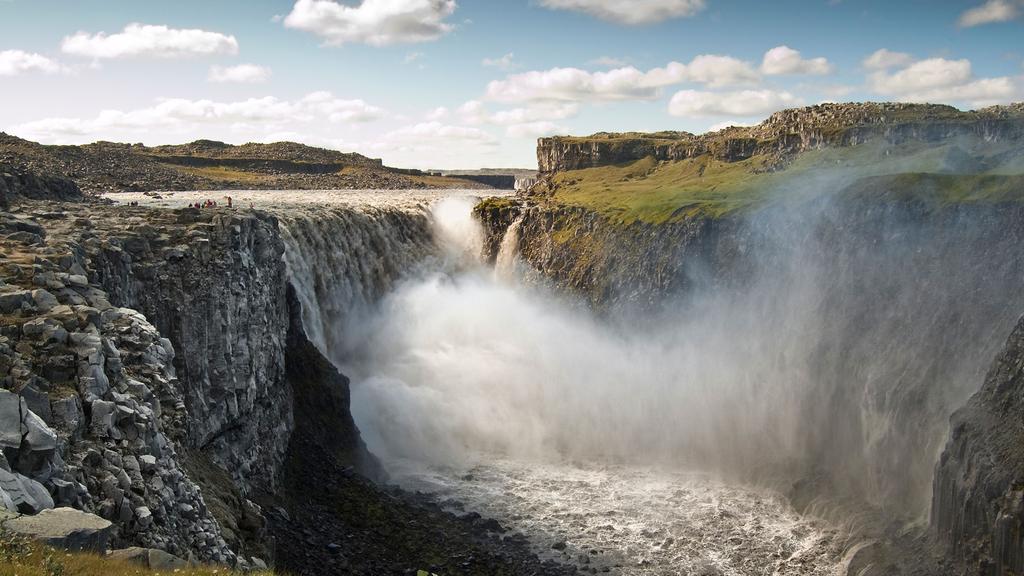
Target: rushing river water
(636,520)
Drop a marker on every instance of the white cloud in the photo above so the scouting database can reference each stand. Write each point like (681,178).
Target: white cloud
(142,40)
(634,12)
(413,56)
(198,116)
(785,60)
(534,130)
(242,73)
(884,59)
(15,62)
(627,83)
(717,71)
(532,121)
(439,113)
(506,62)
(609,62)
(339,110)
(939,80)
(433,133)
(474,112)
(373,22)
(742,103)
(922,75)
(990,12)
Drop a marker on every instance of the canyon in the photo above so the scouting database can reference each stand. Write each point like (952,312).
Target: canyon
(755,366)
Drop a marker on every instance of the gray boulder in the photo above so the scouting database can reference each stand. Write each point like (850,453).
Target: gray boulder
(13,301)
(64,528)
(10,421)
(44,300)
(21,494)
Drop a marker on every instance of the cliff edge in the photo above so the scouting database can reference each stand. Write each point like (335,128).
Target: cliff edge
(978,506)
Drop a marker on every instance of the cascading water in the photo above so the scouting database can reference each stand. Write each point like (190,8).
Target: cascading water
(816,362)
(505,263)
(825,368)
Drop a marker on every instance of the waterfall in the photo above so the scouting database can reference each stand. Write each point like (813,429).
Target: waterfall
(343,260)
(508,252)
(825,356)
(827,359)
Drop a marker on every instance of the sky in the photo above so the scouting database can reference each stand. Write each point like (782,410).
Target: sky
(473,83)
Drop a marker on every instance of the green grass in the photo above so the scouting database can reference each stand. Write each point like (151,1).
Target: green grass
(221,173)
(21,557)
(496,203)
(658,192)
(939,190)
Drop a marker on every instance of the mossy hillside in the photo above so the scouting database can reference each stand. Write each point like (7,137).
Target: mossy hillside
(657,192)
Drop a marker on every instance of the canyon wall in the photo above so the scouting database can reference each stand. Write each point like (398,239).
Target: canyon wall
(159,360)
(787,133)
(213,284)
(978,506)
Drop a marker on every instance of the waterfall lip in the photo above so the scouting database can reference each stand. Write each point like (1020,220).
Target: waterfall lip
(285,201)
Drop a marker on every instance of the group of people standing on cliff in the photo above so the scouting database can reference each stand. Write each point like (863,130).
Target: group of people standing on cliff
(210,203)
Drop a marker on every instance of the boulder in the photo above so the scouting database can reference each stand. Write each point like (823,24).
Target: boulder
(102,423)
(64,528)
(37,401)
(150,558)
(26,495)
(11,431)
(13,301)
(38,436)
(44,300)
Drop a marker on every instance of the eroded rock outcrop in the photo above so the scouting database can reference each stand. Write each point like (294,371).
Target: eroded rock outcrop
(213,283)
(16,183)
(978,502)
(787,133)
(96,390)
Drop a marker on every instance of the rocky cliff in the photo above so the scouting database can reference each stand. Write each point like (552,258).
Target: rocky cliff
(16,184)
(93,408)
(165,429)
(978,506)
(213,283)
(156,371)
(788,133)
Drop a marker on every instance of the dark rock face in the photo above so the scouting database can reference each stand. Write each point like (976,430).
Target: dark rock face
(213,284)
(98,397)
(322,398)
(786,133)
(20,184)
(978,500)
